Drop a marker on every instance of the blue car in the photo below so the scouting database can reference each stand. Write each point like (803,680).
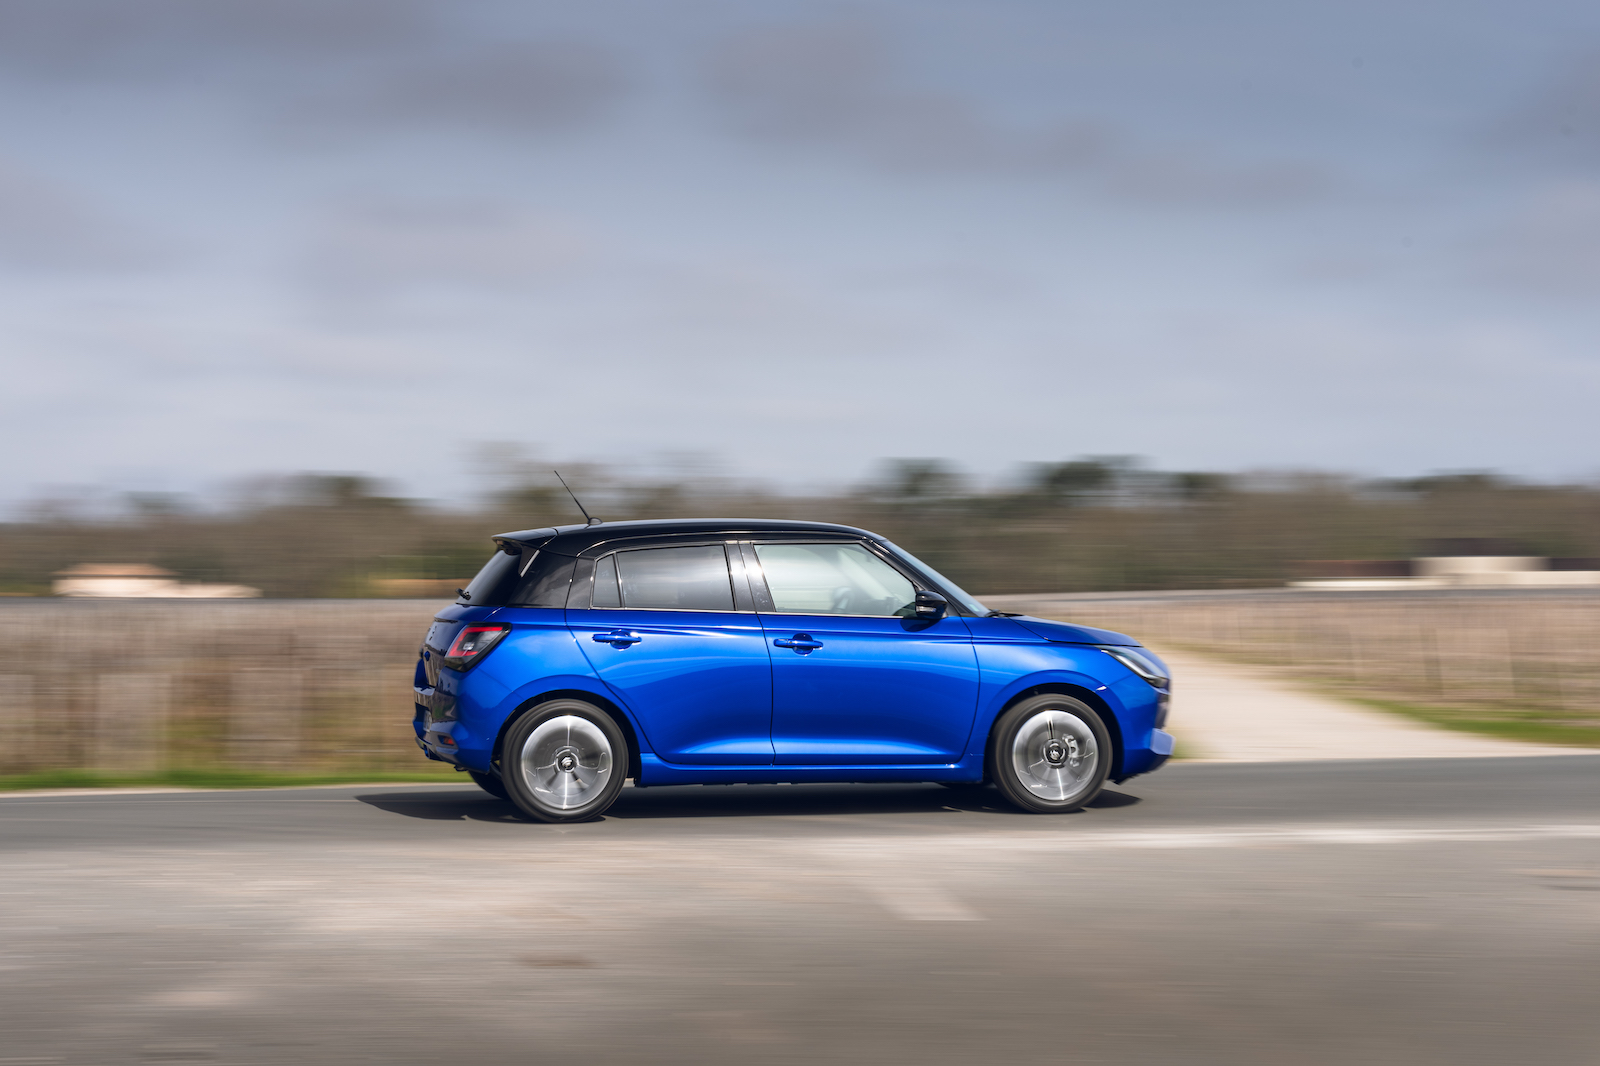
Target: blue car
(723,651)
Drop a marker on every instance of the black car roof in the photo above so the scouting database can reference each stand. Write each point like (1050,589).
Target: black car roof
(570,540)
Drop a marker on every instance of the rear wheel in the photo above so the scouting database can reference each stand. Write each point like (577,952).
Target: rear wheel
(490,783)
(564,761)
(1051,754)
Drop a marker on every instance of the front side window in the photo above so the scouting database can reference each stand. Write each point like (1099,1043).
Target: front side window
(954,591)
(833,579)
(665,579)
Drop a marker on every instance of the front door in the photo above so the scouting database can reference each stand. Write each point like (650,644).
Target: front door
(663,634)
(855,679)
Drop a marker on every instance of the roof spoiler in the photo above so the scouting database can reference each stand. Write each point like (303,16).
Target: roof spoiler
(516,543)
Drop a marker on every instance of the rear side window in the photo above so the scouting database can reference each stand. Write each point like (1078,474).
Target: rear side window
(833,579)
(528,579)
(665,579)
(490,584)
(544,583)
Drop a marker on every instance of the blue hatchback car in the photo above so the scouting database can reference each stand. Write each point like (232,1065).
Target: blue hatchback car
(723,651)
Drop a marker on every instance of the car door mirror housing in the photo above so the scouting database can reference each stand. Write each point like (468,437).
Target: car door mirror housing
(929,606)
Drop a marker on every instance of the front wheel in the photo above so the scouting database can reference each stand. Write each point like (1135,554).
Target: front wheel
(564,761)
(1051,754)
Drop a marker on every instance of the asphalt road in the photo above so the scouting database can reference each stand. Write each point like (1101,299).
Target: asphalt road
(1373,912)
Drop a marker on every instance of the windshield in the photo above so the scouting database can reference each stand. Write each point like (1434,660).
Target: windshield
(951,589)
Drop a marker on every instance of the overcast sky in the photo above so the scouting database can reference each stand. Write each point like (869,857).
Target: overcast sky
(792,239)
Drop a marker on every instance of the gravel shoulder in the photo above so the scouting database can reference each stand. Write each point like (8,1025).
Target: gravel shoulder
(1228,712)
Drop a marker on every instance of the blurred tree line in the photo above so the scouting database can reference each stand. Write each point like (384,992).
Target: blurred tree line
(1087,524)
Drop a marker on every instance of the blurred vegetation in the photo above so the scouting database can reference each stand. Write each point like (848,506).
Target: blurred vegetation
(1086,524)
(223,777)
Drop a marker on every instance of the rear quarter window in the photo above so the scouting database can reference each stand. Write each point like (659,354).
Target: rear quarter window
(489,586)
(521,581)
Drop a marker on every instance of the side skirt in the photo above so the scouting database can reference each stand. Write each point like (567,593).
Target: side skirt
(652,771)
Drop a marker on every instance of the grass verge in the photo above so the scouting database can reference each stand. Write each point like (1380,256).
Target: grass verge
(1464,720)
(194,778)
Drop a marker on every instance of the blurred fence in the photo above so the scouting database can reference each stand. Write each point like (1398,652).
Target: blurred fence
(325,685)
(1535,653)
(307,686)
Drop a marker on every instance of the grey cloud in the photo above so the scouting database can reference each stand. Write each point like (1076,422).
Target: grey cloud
(1551,249)
(833,87)
(1560,123)
(47,226)
(312,67)
(379,251)
(159,39)
(534,87)
(1193,177)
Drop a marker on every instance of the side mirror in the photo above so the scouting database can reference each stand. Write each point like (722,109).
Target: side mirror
(929,606)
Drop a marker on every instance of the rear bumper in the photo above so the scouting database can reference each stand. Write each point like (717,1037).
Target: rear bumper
(437,746)
(433,737)
(443,736)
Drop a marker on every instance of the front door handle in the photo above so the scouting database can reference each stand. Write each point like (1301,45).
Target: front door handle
(619,638)
(800,642)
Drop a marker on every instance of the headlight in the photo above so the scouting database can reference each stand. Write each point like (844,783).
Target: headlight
(1139,662)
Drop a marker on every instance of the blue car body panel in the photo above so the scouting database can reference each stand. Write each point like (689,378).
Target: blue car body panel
(698,684)
(875,690)
(708,696)
(540,656)
(1068,633)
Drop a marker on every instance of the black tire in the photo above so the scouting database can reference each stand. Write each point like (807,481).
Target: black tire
(1050,754)
(490,783)
(564,761)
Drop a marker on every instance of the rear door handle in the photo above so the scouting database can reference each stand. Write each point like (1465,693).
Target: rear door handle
(619,638)
(800,642)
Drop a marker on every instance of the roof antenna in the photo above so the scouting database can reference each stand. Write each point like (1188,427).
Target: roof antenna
(574,495)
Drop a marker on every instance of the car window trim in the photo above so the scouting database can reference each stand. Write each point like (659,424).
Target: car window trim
(757,577)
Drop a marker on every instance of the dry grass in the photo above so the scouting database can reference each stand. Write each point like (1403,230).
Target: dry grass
(141,688)
(145,691)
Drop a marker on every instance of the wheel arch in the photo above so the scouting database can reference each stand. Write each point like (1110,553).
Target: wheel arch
(1107,717)
(607,706)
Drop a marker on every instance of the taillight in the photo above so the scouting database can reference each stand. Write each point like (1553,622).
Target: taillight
(472,644)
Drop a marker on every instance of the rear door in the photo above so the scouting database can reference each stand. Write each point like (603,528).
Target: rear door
(856,680)
(663,629)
